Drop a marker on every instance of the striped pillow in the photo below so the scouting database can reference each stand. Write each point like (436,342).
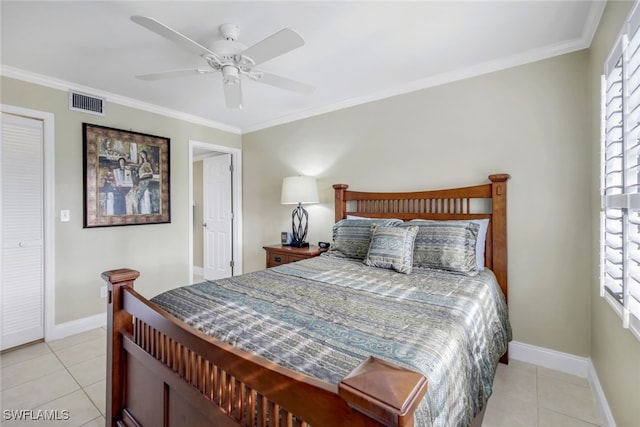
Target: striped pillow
(392,247)
(351,237)
(446,245)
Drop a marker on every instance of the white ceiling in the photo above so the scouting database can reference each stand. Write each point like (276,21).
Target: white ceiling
(355,51)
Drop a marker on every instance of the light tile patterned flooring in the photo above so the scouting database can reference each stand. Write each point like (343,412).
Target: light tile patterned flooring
(70,374)
(527,395)
(67,374)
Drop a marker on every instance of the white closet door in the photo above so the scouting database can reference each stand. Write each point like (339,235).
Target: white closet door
(21,223)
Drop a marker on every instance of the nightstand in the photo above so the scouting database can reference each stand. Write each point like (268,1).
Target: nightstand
(278,254)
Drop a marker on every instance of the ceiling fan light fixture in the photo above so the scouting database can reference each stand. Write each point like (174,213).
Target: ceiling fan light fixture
(230,75)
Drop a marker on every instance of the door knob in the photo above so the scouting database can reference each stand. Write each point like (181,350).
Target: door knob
(204,224)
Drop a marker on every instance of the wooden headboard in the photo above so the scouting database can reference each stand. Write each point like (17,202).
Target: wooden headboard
(445,204)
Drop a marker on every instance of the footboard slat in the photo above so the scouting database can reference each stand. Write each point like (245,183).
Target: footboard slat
(287,419)
(230,391)
(239,399)
(252,407)
(262,411)
(222,389)
(215,385)
(273,413)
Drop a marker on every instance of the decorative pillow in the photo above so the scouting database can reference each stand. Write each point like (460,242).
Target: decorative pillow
(392,247)
(481,241)
(351,237)
(446,245)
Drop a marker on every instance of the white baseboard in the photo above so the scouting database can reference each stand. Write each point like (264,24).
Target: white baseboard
(601,399)
(551,359)
(198,271)
(569,364)
(73,327)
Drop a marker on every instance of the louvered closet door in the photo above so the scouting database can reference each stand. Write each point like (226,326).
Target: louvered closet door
(22,276)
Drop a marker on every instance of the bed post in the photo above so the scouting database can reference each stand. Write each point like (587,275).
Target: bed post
(341,203)
(117,320)
(499,234)
(386,392)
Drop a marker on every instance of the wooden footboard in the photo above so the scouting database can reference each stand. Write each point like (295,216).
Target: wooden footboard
(162,372)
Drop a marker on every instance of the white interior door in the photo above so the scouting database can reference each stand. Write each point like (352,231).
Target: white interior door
(22,230)
(218,217)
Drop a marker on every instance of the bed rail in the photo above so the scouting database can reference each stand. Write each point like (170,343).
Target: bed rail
(162,372)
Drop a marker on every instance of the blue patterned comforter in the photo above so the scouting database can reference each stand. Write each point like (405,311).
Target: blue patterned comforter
(325,315)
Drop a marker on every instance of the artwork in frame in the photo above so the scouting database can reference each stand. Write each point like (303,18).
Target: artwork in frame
(126,177)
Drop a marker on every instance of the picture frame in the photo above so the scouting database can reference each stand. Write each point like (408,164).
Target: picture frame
(126,177)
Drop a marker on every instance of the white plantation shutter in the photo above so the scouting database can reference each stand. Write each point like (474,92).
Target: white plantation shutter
(620,273)
(613,177)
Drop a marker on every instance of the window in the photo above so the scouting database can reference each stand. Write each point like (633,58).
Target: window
(620,177)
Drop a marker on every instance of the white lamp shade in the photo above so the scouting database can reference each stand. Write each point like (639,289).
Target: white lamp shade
(299,189)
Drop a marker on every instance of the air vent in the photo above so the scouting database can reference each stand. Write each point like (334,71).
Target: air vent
(86,103)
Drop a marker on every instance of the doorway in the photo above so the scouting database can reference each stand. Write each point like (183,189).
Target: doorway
(215,223)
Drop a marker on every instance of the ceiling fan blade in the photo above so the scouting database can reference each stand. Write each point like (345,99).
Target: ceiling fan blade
(171,34)
(276,44)
(173,73)
(233,95)
(285,83)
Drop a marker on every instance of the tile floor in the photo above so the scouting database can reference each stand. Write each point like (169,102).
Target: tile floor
(532,396)
(67,374)
(70,374)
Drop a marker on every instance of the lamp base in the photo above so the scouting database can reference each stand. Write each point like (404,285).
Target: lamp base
(299,222)
(299,244)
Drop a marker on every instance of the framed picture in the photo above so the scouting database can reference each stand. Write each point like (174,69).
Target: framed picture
(126,177)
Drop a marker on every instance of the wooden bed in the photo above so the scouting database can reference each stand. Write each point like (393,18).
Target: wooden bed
(162,372)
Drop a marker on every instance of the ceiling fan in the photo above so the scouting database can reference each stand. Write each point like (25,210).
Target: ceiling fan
(231,58)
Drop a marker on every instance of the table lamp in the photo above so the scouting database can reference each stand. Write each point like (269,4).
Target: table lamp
(299,190)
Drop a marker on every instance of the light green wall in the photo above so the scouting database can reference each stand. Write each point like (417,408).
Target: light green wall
(529,121)
(615,352)
(159,252)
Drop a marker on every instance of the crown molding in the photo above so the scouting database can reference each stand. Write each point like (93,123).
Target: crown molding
(588,32)
(42,80)
(593,19)
(583,42)
(432,81)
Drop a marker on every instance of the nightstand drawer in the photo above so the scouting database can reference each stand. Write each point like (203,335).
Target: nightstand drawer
(277,259)
(278,254)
